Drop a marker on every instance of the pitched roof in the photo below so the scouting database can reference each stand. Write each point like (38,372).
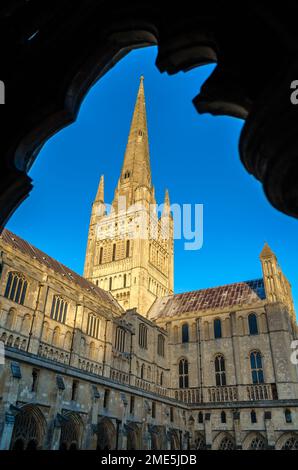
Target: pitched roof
(205,299)
(25,247)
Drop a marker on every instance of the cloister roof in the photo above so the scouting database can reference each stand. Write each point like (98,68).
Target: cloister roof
(239,293)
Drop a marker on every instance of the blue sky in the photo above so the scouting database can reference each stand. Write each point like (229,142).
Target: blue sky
(194,156)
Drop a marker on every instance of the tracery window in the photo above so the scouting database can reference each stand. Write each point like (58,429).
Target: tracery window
(256,367)
(120,339)
(59,309)
(93,326)
(220,371)
(183,373)
(16,288)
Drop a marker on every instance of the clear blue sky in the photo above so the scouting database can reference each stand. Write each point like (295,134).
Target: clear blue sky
(194,156)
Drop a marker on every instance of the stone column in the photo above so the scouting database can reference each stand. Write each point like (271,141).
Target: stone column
(208,430)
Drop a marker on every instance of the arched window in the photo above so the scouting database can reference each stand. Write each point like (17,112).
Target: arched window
(220,371)
(93,326)
(142,371)
(200,417)
(288,416)
(124,280)
(253,416)
(16,288)
(110,283)
(185,333)
(217,328)
(59,309)
(143,334)
(227,443)
(120,339)
(183,373)
(256,367)
(161,345)
(223,417)
(253,324)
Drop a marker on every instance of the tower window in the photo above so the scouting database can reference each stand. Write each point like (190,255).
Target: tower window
(223,417)
(183,373)
(220,371)
(256,367)
(217,328)
(253,324)
(200,417)
(126,174)
(185,333)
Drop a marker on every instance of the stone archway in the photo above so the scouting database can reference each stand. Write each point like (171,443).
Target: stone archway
(254,441)
(106,435)
(224,441)
(174,440)
(29,429)
(287,441)
(71,431)
(134,436)
(199,441)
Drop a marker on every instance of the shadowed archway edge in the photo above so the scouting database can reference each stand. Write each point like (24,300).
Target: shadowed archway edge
(63,48)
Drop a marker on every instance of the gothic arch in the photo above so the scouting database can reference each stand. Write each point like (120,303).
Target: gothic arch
(134,436)
(254,441)
(106,435)
(199,441)
(71,431)
(174,440)
(288,440)
(29,429)
(223,441)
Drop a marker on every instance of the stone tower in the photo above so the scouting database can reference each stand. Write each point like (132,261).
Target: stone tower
(277,286)
(130,249)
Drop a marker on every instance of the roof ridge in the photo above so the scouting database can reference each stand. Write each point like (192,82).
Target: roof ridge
(65,270)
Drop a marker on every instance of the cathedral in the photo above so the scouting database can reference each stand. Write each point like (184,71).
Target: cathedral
(114,359)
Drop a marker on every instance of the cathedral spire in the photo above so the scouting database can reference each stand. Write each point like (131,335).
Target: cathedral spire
(100,190)
(136,170)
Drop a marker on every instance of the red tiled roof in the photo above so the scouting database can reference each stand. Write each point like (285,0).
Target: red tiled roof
(245,292)
(18,243)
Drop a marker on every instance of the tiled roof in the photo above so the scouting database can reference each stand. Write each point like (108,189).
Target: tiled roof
(25,247)
(209,299)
